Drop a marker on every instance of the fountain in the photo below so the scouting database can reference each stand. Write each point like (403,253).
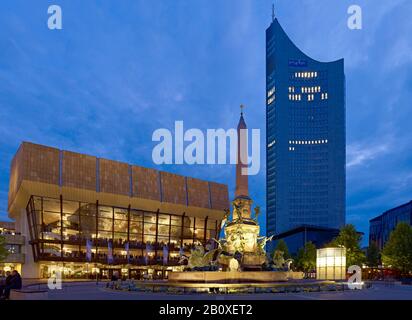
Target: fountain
(240,256)
(242,242)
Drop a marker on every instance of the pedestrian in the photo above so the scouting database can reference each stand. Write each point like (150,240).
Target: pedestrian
(5,281)
(15,282)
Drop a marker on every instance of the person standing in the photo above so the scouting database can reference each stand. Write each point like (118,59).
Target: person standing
(5,281)
(14,283)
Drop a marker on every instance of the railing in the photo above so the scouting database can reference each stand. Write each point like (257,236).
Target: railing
(115,261)
(13,238)
(103,243)
(15,258)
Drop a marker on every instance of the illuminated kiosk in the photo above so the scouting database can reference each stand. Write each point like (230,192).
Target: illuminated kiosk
(240,255)
(331,263)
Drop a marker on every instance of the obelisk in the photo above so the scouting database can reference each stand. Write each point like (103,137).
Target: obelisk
(242,232)
(242,189)
(242,198)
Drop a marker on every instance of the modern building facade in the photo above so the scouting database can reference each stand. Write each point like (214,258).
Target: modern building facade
(381,226)
(89,217)
(305,122)
(297,237)
(14,245)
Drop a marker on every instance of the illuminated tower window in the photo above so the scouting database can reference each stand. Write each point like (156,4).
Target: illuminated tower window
(271,91)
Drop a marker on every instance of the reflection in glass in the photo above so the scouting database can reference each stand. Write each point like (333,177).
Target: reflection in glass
(60,230)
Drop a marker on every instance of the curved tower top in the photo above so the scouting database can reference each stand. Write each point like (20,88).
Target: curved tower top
(287,44)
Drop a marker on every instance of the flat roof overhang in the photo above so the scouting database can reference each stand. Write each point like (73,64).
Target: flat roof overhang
(28,188)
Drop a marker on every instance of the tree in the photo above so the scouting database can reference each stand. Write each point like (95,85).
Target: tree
(3,251)
(282,246)
(372,255)
(306,258)
(350,239)
(278,259)
(397,252)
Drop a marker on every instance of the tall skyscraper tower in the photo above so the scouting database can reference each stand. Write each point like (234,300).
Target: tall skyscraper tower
(305,122)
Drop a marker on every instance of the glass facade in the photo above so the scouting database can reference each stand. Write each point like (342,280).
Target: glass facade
(381,227)
(305,123)
(63,230)
(296,238)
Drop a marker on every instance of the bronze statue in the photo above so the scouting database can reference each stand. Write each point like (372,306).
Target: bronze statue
(238,210)
(257,212)
(225,218)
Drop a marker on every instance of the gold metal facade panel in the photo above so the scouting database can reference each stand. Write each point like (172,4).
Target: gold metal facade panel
(41,163)
(35,170)
(79,170)
(198,193)
(114,177)
(145,183)
(173,188)
(219,196)
(33,162)
(16,175)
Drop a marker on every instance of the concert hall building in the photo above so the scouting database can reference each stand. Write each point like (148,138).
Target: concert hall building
(89,217)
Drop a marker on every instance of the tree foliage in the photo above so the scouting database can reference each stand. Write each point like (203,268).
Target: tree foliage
(3,251)
(306,258)
(351,240)
(278,259)
(397,252)
(372,255)
(282,246)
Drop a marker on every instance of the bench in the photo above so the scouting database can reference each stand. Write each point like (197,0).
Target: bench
(28,294)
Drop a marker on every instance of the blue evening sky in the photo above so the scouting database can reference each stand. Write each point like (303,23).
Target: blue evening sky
(121,69)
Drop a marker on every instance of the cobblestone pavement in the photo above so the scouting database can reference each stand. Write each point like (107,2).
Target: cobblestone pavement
(91,291)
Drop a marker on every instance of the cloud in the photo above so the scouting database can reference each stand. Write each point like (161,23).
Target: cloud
(109,79)
(383,193)
(399,54)
(362,154)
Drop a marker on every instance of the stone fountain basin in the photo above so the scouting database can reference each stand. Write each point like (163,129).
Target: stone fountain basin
(233,276)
